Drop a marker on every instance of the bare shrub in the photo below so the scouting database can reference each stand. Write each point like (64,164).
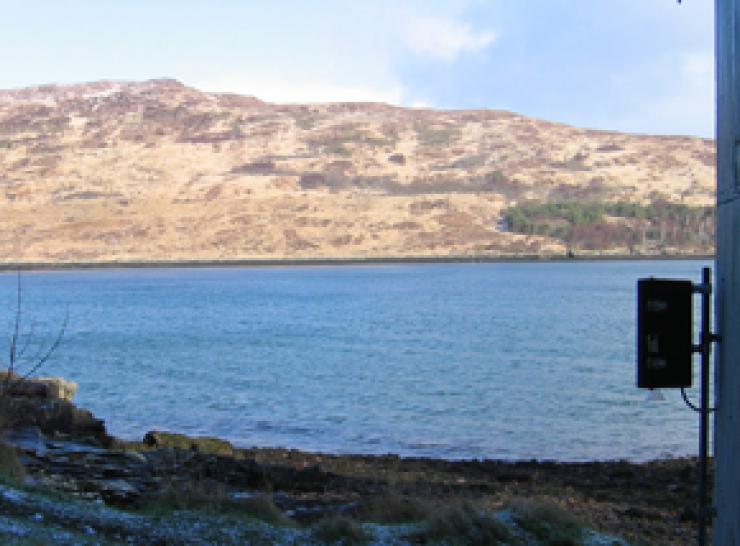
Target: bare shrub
(12,381)
(550,523)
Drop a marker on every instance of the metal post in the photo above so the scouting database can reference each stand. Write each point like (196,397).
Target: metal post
(705,513)
(726,528)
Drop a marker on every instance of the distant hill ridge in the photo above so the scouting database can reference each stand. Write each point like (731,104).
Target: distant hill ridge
(155,170)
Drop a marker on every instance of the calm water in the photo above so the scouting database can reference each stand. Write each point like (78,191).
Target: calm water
(510,360)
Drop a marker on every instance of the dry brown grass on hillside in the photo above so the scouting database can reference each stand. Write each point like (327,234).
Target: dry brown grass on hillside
(159,171)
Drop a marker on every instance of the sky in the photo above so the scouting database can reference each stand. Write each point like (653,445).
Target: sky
(643,66)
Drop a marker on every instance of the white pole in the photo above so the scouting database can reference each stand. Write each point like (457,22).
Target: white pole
(727,370)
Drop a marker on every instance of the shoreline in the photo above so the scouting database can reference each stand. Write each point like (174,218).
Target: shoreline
(66,448)
(329,262)
(318,453)
(419,458)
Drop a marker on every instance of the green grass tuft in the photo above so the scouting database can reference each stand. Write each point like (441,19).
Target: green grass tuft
(396,509)
(550,523)
(213,498)
(463,524)
(263,508)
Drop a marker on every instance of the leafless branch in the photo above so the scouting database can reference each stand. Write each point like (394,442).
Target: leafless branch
(29,339)
(12,378)
(17,327)
(52,348)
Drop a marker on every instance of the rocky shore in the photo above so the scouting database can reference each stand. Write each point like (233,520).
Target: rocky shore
(68,450)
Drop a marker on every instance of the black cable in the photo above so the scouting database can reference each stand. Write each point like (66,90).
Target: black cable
(689,403)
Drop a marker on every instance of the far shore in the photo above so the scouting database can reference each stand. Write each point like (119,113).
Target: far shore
(311,262)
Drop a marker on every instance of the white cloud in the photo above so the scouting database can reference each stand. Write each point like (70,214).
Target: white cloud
(442,38)
(361,57)
(288,91)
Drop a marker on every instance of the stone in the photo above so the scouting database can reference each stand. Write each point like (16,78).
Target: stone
(118,491)
(135,456)
(29,439)
(42,387)
(200,444)
(54,417)
(57,387)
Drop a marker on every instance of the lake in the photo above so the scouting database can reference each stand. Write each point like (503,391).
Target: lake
(487,360)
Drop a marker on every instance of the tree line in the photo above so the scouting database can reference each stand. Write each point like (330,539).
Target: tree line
(603,225)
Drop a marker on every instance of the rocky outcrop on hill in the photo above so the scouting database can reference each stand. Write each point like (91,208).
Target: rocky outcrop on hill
(127,171)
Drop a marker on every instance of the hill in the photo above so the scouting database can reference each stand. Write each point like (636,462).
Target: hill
(141,171)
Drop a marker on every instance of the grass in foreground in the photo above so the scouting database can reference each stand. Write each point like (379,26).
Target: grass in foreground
(397,509)
(212,498)
(339,529)
(547,521)
(461,523)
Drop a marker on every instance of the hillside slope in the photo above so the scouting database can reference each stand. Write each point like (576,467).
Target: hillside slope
(139,171)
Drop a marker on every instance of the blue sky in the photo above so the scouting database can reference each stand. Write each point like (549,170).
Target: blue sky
(632,65)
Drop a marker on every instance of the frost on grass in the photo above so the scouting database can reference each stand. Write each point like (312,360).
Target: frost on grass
(40,517)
